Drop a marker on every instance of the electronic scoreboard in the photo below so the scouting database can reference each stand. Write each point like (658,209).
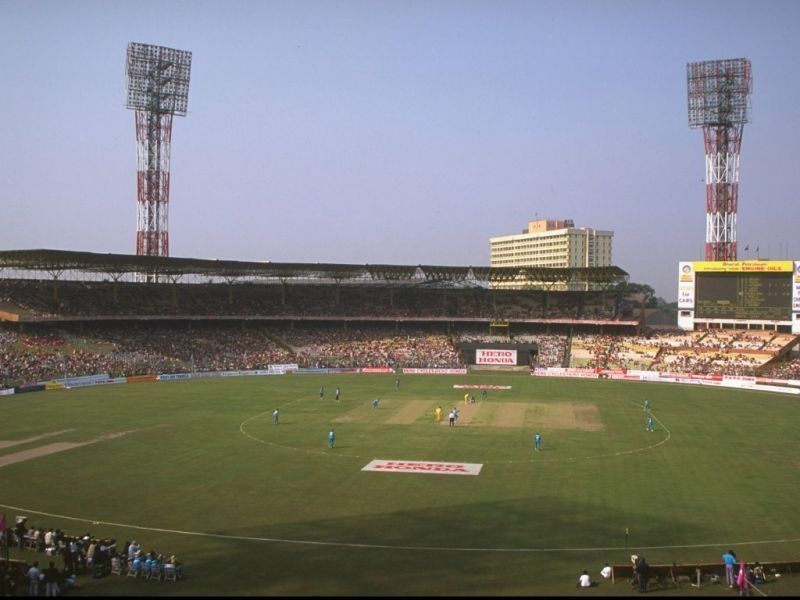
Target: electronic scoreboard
(740,293)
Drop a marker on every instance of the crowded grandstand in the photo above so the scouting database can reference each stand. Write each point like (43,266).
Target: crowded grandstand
(67,315)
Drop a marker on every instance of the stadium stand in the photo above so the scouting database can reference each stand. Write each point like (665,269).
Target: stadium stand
(129,316)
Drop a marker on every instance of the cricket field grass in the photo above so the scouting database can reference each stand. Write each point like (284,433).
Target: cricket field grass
(200,470)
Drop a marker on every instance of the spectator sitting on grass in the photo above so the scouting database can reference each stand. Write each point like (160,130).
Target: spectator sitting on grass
(584,580)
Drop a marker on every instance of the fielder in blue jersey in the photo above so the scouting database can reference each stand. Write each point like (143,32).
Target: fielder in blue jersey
(331,439)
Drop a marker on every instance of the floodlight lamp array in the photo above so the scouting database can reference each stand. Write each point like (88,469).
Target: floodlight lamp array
(158,79)
(719,92)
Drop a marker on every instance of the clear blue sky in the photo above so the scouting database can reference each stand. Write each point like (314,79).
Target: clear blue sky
(400,132)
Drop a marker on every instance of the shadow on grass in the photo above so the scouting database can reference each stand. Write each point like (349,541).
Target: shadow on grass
(440,551)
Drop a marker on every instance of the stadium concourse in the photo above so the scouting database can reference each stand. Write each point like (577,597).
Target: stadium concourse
(67,314)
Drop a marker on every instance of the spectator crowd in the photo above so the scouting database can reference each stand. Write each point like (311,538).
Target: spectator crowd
(78,555)
(55,354)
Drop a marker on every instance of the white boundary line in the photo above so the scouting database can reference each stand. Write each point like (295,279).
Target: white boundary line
(390,546)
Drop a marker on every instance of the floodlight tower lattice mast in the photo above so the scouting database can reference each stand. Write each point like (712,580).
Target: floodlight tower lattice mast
(158,88)
(719,102)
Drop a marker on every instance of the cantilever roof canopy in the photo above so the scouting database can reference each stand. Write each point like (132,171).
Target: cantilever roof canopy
(80,265)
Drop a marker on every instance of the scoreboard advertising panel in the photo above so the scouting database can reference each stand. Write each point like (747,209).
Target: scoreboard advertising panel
(760,291)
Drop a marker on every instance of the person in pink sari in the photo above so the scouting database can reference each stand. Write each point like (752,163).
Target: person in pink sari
(742,582)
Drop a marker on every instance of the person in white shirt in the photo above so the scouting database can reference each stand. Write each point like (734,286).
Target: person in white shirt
(584,580)
(132,550)
(606,572)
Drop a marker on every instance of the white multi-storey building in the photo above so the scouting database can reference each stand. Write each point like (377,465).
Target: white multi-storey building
(554,244)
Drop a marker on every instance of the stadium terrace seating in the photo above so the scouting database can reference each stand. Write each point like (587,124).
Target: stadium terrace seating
(143,348)
(725,352)
(125,328)
(127,299)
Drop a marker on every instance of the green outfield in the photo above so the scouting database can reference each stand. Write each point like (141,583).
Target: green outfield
(199,469)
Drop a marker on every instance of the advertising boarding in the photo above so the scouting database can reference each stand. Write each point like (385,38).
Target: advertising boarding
(495,357)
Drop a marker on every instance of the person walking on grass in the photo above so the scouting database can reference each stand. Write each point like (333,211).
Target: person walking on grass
(537,442)
(338,393)
(647,405)
(729,558)
(650,424)
(275,416)
(331,438)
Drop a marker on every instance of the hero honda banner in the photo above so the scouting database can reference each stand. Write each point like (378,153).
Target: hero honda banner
(495,357)
(427,467)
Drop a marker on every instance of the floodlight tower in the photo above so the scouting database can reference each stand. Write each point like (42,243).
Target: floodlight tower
(719,102)
(158,87)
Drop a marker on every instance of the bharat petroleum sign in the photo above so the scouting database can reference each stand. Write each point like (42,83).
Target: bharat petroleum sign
(495,357)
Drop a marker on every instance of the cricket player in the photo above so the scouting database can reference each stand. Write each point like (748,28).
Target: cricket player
(321,391)
(483,394)
(397,384)
(537,442)
(338,393)
(647,405)
(650,424)
(466,398)
(331,438)
(438,413)
(275,415)
(375,403)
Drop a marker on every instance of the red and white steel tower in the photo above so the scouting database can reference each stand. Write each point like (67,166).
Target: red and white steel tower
(719,102)
(158,88)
